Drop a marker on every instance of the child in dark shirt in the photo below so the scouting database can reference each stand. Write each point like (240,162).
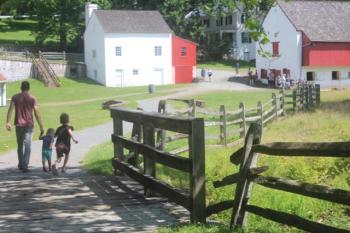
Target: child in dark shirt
(46,153)
(64,135)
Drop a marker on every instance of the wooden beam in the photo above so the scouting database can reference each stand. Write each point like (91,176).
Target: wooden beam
(178,196)
(311,190)
(156,120)
(218,207)
(292,220)
(170,160)
(323,149)
(237,156)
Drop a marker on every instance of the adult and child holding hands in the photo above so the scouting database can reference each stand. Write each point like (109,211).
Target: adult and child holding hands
(24,105)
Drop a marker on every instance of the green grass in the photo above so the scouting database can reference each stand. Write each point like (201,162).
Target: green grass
(80,98)
(328,123)
(229,65)
(19,32)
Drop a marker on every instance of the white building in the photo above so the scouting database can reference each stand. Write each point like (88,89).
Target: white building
(309,40)
(127,48)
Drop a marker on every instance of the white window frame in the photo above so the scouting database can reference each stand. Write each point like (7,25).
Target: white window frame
(157,50)
(118,51)
(135,72)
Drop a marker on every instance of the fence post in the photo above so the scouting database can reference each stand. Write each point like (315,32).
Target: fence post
(117,147)
(311,96)
(192,104)
(244,185)
(306,97)
(260,113)
(197,177)
(275,105)
(294,100)
(64,55)
(148,163)
(282,102)
(161,134)
(243,124)
(302,101)
(318,96)
(223,129)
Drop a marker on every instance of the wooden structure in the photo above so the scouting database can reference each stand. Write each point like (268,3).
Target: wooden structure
(43,71)
(233,125)
(194,165)
(248,174)
(80,202)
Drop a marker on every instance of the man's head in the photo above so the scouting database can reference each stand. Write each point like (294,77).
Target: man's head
(25,86)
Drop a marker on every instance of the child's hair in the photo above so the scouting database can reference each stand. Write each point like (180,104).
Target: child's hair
(50,132)
(64,118)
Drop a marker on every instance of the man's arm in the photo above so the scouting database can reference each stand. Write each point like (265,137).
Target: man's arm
(38,119)
(9,115)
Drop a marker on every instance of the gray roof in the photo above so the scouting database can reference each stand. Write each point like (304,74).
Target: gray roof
(130,21)
(326,21)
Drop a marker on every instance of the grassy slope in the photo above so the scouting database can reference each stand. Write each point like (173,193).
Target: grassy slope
(80,98)
(332,116)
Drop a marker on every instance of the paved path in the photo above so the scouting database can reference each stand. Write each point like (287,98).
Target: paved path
(79,202)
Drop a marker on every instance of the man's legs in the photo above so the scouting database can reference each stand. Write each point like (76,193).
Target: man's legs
(24,141)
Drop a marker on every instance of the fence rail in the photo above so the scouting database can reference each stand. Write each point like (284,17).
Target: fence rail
(146,126)
(248,174)
(234,124)
(51,56)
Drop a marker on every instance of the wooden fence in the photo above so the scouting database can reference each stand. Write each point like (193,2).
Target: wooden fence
(145,126)
(248,174)
(52,56)
(234,124)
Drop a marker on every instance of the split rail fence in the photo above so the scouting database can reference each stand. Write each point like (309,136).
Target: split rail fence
(233,125)
(249,173)
(146,126)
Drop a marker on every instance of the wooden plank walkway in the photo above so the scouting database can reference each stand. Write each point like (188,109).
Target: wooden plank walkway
(79,202)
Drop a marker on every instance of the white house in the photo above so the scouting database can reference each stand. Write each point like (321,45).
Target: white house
(127,48)
(309,40)
(2,91)
(229,27)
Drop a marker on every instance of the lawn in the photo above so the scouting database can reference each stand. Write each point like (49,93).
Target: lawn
(328,123)
(80,98)
(229,65)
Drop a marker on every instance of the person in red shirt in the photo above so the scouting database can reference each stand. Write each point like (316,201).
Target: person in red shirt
(24,105)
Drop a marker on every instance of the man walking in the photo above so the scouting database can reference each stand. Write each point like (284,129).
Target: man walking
(24,105)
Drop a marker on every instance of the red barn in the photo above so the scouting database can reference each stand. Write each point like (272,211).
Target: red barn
(184,53)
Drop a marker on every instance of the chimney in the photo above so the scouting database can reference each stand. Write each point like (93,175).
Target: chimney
(89,8)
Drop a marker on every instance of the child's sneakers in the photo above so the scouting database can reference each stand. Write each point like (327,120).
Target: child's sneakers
(54,170)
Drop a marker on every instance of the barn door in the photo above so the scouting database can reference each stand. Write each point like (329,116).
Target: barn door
(157,77)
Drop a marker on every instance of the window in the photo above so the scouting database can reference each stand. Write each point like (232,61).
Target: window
(183,51)
(118,51)
(228,20)
(246,37)
(310,76)
(93,53)
(135,72)
(243,18)
(219,22)
(206,22)
(335,75)
(157,50)
(275,49)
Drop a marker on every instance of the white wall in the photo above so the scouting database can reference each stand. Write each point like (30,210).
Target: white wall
(279,28)
(138,53)
(323,76)
(94,40)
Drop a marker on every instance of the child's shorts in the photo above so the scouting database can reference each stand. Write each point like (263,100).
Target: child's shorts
(62,149)
(46,153)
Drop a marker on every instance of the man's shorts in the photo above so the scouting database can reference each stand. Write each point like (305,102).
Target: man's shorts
(61,150)
(46,153)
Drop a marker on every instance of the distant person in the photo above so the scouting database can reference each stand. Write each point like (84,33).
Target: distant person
(210,73)
(46,150)
(64,134)
(24,105)
(250,75)
(203,73)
